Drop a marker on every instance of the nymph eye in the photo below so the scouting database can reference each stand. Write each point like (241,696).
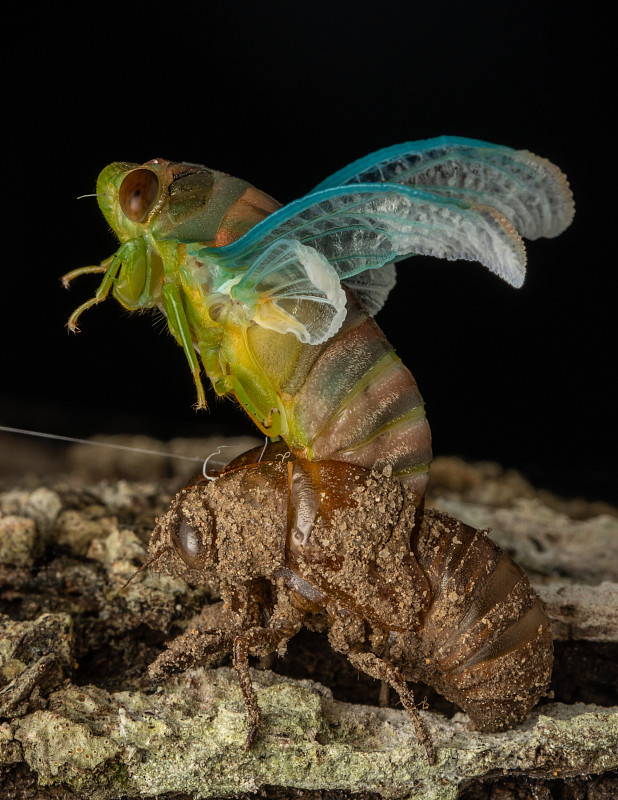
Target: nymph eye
(137,194)
(189,544)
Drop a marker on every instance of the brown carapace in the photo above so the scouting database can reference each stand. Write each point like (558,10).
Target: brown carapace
(406,593)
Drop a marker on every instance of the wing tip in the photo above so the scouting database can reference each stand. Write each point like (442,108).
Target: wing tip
(559,194)
(513,269)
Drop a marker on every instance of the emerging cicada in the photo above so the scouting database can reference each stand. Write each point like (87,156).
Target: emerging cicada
(405,594)
(278,301)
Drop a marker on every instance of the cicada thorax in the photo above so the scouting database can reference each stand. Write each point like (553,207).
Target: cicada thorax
(349,399)
(343,534)
(348,536)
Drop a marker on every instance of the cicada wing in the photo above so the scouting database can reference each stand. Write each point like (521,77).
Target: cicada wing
(531,192)
(373,286)
(294,289)
(363,227)
(346,231)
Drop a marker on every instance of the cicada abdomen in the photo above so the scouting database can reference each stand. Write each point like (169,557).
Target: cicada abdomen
(484,641)
(349,399)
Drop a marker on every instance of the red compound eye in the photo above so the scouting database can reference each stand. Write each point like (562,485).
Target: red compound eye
(138,193)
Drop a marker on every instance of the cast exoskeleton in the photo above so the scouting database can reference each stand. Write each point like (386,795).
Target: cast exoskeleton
(408,593)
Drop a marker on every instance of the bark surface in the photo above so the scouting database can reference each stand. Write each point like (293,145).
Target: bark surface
(79,717)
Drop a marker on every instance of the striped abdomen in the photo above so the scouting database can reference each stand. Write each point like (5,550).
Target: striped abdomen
(484,641)
(406,594)
(350,399)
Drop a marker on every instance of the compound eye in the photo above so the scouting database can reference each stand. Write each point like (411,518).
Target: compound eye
(189,544)
(137,194)
(189,540)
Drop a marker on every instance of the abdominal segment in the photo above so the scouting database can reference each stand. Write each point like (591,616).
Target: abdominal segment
(351,399)
(485,643)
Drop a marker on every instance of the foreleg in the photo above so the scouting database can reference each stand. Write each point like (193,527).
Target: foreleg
(286,619)
(193,648)
(110,267)
(178,325)
(268,421)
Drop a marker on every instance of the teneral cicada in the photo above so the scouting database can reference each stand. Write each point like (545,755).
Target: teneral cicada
(405,593)
(278,302)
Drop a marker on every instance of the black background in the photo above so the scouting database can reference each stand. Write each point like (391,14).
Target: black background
(282,95)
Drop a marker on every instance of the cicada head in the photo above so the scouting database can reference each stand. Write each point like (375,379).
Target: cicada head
(183,541)
(158,208)
(139,199)
(139,194)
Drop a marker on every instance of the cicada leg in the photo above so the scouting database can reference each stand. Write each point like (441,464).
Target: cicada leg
(263,641)
(241,664)
(193,648)
(91,270)
(177,321)
(110,267)
(269,424)
(382,670)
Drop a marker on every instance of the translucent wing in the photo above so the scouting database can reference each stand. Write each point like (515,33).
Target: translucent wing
(373,286)
(354,229)
(531,192)
(294,289)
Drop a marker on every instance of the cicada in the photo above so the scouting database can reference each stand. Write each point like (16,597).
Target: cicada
(278,302)
(405,593)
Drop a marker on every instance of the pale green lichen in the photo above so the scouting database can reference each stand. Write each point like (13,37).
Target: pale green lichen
(189,737)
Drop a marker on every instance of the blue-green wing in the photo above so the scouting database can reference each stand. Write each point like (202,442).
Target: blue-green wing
(342,232)
(292,288)
(530,191)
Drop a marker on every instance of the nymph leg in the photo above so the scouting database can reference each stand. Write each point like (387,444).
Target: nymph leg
(384,671)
